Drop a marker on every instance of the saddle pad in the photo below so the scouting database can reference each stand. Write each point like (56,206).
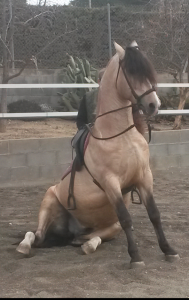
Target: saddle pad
(68,170)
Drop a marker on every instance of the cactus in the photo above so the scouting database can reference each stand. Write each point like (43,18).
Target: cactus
(77,71)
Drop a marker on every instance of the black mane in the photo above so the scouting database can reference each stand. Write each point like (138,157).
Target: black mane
(138,65)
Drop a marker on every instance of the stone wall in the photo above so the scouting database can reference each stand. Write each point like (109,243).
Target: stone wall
(35,161)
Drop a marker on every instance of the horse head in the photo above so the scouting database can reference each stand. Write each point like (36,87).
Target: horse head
(136,79)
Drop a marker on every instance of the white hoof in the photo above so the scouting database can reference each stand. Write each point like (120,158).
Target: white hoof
(90,246)
(137,265)
(25,246)
(172,258)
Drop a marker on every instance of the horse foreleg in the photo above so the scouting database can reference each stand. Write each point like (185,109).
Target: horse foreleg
(113,192)
(97,237)
(146,191)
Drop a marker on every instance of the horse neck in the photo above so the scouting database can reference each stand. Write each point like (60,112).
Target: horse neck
(109,100)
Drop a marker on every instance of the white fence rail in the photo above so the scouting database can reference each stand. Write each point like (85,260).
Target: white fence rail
(47,86)
(73,85)
(74,114)
(38,115)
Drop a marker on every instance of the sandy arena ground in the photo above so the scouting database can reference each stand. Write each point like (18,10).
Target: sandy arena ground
(18,129)
(65,272)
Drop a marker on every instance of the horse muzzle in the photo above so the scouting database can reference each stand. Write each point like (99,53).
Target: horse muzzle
(150,110)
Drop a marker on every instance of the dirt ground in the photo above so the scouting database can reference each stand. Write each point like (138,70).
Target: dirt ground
(64,272)
(18,129)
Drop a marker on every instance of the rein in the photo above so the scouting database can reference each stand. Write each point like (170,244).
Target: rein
(111,137)
(114,110)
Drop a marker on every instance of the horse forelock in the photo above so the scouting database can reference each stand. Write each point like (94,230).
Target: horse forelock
(138,66)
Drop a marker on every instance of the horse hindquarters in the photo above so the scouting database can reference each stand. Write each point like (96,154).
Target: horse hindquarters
(93,211)
(53,219)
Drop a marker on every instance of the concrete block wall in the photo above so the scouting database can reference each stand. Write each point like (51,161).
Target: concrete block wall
(34,160)
(45,160)
(169,149)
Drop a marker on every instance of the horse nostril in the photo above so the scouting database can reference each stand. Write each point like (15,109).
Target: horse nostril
(152,106)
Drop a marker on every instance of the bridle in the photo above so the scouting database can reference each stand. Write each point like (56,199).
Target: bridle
(138,104)
(137,97)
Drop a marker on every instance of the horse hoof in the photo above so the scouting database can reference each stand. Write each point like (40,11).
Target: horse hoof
(23,248)
(137,265)
(172,258)
(90,246)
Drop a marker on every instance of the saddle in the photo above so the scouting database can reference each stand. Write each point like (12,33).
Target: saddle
(79,143)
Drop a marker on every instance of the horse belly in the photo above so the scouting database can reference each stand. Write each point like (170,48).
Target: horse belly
(93,208)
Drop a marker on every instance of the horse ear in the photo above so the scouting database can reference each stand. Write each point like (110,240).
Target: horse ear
(120,51)
(134,44)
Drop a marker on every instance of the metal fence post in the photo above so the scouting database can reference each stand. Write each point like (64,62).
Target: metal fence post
(109,32)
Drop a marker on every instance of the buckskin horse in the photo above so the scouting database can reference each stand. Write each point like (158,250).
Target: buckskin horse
(116,160)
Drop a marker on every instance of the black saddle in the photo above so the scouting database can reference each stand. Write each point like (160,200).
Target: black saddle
(78,143)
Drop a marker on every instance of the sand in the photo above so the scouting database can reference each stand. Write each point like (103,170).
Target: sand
(66,272)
